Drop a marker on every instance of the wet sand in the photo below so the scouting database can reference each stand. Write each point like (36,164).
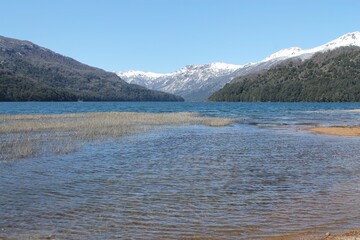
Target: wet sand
(349,235)
(340,131)
(346,235)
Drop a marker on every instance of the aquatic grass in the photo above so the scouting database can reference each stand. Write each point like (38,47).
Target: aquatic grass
(28,135)
(23,148)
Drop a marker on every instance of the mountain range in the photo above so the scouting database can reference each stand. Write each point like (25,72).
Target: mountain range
(331,76)
(29,72)
(198,82)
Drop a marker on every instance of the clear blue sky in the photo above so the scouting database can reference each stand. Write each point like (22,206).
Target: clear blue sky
(165,35)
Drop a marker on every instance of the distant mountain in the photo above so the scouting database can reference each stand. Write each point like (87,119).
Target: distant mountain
(198,82)
(29,72)
(193,82)
(331,76)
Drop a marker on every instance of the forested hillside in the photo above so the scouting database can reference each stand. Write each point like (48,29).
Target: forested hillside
(31,73)
(333,76)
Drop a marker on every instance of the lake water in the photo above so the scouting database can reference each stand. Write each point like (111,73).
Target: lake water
(260,178)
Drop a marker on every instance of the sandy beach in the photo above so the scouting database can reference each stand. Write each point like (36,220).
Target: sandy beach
(336,130)
(340,131)
(349,235)
(345,235)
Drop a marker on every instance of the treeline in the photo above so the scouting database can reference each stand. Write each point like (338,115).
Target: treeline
(15,87)
(20,88)
(31,73)
(333,76)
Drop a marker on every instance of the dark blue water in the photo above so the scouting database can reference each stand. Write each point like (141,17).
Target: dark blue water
(289,113)
(243,181)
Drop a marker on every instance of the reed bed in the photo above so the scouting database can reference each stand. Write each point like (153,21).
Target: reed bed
(30,135)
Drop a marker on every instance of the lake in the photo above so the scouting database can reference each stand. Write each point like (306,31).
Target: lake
(256,179)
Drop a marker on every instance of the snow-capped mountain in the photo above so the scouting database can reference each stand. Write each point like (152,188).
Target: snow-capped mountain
(145,79)
(192,81)
(197,82)
(349,39)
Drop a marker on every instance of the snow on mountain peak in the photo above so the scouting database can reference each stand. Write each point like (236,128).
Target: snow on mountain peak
(132,73)
(215,66)
(284,53)
(222,65)
(349,39)
(196,82)
(212,67)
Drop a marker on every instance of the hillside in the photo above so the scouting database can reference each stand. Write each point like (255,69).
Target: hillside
(333,76)
(29,72)
(198,82)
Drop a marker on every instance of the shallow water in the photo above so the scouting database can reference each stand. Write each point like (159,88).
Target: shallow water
(242,181)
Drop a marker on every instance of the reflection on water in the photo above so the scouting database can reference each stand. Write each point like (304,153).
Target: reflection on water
(237,182)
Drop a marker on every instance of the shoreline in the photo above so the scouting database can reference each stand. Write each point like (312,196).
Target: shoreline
(343,235)
(353,234)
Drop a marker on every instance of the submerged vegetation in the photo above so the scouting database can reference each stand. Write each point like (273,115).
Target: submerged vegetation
(29,135)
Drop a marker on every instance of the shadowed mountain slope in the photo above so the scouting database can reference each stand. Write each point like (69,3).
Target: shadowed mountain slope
(29,72)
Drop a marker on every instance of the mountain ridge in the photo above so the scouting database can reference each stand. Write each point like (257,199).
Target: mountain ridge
(198,86)
(29,72)
(331,76)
